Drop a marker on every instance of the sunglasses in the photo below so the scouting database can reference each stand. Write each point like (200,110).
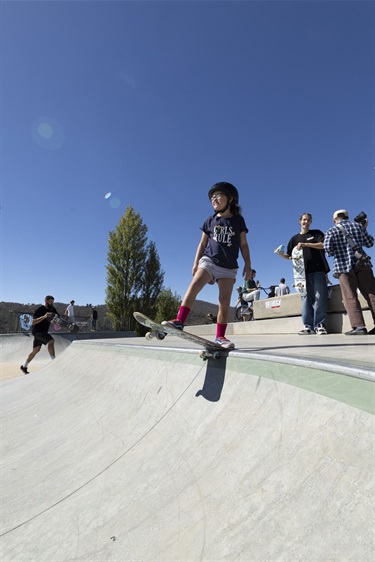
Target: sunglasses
(217,196)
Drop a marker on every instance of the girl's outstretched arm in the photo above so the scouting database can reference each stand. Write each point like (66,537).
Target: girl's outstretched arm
(245,251)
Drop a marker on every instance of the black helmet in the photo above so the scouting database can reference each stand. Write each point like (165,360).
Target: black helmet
(226,188)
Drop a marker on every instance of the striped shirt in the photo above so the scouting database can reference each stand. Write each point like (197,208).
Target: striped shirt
(336,244)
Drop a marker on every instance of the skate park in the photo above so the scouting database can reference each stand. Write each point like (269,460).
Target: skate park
(127,449)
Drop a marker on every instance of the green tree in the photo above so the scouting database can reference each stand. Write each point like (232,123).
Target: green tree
(127,255)
(167,305)
(152,281)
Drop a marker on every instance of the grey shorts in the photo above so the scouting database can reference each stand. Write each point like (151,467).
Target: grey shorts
(216,271)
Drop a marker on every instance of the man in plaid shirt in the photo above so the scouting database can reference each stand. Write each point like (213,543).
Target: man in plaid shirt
(351,276)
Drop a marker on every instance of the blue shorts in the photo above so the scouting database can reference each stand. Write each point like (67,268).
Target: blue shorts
(216,271)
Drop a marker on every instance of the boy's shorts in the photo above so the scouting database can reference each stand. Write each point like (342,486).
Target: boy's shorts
(216,271)
(41,338)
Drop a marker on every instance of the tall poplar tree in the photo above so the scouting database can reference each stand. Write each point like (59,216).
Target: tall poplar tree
(127,255)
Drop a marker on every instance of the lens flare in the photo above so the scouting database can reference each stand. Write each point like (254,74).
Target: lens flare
(48,133)
(115,202)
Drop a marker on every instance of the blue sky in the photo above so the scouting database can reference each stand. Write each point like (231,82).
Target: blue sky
(154,102)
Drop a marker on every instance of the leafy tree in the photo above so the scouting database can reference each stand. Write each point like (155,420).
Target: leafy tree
(152,281)
(167,305)
(127,255)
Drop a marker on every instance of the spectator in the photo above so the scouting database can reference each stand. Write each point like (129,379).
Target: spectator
(272,292)
(250,289)
(69,312)
(352,267)
(282,289)
(94,319)
(314,303)
(212,318)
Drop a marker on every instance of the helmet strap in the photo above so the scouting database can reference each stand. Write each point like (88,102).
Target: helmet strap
(230,201)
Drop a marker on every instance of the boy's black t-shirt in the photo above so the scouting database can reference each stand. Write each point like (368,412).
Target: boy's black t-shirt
(44,325)
(224,239)
(314,260)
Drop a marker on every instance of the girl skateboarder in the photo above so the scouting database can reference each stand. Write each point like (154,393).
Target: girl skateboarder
(223,236)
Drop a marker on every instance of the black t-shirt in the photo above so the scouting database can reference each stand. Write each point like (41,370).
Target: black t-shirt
(42,326)
(224,239)
(314,260)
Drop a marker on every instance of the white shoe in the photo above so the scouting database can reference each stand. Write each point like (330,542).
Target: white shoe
(306,331)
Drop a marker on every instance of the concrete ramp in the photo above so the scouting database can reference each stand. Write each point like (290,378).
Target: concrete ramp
(14,349)
(122,453)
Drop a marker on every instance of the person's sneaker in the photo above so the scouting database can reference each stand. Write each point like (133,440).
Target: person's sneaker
(174,324)
(24,370)
(225,343)
(357,332)
(306,331)
(320,330)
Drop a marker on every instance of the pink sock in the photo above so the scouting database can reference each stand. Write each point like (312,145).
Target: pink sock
(220,330)
(183,313)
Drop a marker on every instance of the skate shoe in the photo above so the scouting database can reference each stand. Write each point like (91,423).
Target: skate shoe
(175,323)
(225,343)
(306,331)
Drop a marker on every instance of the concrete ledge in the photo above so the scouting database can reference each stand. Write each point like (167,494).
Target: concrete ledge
(336,323)
(290,305)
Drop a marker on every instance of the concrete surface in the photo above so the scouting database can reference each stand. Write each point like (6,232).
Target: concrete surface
(133,450)
(14,349)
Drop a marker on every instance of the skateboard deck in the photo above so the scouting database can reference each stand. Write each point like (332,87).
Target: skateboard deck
(159,331)
(299,271)
(61,323)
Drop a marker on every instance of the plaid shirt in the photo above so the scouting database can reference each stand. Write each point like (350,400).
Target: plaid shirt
(336,244)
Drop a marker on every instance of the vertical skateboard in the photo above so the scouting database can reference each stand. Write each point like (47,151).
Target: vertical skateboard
(299,271)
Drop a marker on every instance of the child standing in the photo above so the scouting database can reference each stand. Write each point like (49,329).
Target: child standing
(223,236)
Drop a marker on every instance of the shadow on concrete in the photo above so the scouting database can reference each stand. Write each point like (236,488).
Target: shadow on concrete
(214,380)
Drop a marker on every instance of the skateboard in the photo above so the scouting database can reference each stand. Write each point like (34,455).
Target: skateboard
(299,271)
(61,323)
(159,331)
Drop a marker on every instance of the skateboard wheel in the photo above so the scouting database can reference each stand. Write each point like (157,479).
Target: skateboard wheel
(160,336)
(216,355)
(149,336)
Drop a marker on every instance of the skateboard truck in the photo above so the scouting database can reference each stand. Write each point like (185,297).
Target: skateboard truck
(155,334)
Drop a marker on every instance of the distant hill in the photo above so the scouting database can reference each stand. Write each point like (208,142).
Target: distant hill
(10,313)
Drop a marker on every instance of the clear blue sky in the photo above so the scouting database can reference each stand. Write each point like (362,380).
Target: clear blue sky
(154,102)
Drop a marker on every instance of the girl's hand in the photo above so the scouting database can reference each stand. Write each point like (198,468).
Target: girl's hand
(247,273)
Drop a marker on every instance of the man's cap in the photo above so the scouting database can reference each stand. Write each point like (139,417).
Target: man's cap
(341,213)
